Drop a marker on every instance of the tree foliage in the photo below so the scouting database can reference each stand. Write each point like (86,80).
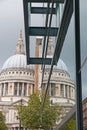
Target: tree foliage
(31,116)
(71,125)
(2,122)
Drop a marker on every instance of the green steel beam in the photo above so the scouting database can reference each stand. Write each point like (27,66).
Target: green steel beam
(39,61)
(67,14)
(41,10)
(42,31)
(45,1)
(66,17)
(26,22)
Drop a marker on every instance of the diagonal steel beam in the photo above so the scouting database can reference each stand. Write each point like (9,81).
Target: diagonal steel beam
(25,7)
(67,14)
(79,111)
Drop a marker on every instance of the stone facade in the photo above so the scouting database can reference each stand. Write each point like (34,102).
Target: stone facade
(18,81)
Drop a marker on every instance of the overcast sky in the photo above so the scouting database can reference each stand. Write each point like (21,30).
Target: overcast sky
(12,21)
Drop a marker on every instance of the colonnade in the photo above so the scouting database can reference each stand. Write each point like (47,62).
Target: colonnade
(62,90)
(16,89)
(17,128)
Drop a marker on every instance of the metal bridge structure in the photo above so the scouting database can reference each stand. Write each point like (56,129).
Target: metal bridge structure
(59,32)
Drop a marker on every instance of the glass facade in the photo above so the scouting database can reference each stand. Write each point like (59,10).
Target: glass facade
(83,37)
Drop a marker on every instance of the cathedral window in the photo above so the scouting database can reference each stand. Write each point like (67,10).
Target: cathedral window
(15,88)
(62,74)
(2,89)
(6,88)
(52,89)
(62,90)
(66,91)
(25,89)
(69,91)
(33,88)
(20,88)
(56,90)
(10,89)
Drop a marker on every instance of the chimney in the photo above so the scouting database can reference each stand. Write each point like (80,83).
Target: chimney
(37,54)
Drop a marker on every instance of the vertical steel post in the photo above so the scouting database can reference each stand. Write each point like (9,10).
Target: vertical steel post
(78,66)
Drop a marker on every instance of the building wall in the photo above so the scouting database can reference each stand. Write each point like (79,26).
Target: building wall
(85,114)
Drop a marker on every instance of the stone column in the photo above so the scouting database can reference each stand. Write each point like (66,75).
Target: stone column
(50,90)
(4,90)
(64,91)
(12,88)
(22,89)
(59,90)
(68,91)
(0,89)
(27,90)
(32,89)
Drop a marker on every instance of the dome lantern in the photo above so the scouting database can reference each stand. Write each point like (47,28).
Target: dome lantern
(20,45)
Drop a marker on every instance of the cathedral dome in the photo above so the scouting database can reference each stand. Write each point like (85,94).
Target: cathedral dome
(16,61)
(19,59)
(60,65)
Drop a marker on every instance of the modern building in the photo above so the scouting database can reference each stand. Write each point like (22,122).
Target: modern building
(85,114)
(19,80)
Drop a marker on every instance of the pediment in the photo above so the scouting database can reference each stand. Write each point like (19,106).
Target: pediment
(21,101)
